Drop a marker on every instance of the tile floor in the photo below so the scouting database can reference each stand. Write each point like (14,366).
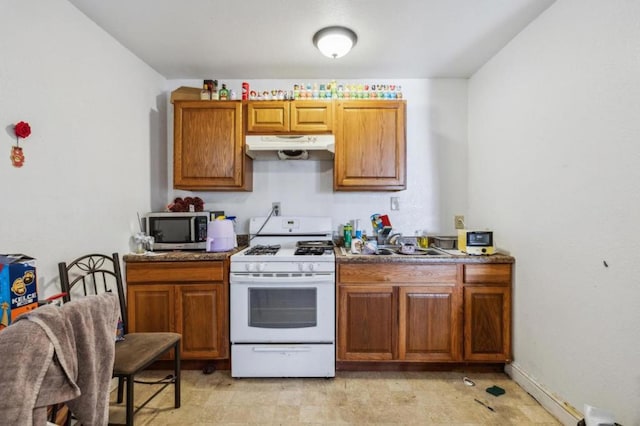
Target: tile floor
(351,398)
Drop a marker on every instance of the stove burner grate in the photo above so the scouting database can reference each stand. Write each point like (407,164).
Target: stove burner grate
(312,251)
(261,250)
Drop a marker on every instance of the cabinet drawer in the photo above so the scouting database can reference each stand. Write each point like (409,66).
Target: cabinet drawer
(386,273)
(157,272)
(268,117)
(311,116)
(489,273)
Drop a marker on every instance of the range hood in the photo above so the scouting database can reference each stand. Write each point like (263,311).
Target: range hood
(290,147)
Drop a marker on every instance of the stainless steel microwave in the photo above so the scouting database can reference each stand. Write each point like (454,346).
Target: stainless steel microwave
(178,231)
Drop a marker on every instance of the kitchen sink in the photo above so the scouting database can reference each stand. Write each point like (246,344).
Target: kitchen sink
(425,252)
(394,250)
(385,251)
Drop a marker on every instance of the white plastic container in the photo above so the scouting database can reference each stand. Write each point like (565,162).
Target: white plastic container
(220,235)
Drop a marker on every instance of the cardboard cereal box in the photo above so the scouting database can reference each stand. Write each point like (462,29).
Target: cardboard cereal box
(18,289)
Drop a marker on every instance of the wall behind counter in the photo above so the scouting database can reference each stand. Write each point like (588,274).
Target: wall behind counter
(436,166)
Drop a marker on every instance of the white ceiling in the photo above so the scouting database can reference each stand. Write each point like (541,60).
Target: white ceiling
(250,39)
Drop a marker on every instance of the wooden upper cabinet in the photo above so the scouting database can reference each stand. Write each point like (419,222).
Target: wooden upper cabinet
(370,146)
(267,116)
(289,117)
(311,116)
(208,150)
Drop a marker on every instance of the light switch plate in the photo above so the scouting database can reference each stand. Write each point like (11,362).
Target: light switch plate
(395,203)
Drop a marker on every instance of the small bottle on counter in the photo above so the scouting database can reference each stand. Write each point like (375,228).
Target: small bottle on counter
(224,93)
(214,90)
(358,229)
(347,235)
(204,93)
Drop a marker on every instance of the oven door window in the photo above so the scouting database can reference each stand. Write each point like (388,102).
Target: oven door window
(283,307)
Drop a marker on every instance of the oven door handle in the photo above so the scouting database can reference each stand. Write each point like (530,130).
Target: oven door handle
(250,279)
(283,349)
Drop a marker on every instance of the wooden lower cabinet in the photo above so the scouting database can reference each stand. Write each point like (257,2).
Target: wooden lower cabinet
(367,323)
(443,313)
(201,315)
(487,311)
(416,317)
(190,298)
(429,324)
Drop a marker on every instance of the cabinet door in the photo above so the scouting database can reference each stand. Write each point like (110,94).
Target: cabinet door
(487,323)
(150,308)
(366,323)
(268,117)
(201,317)
(430,323)
(208,152)
(311,116)
(370,152)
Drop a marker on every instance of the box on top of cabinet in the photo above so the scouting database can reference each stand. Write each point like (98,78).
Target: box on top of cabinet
(18,288)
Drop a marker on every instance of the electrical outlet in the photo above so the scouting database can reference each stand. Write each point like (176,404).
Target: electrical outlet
(395,203)
(458,221)
(275,206)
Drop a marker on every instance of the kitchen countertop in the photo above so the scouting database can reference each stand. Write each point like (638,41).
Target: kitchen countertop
(179,256)
(187,255)
(454,256)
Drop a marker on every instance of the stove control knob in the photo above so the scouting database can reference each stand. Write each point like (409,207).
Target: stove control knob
(312,266)
(261,267)
(301,267)
(248,267)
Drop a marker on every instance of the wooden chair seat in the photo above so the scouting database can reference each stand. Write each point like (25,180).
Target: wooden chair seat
(138,350)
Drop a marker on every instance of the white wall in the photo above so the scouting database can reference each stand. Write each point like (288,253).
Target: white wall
(436,167)
(554,149)
(97,114)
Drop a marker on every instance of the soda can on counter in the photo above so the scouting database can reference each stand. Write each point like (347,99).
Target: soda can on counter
(245,90)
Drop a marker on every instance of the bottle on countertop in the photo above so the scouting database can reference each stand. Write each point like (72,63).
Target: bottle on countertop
(347,235)
(204,93)
(214,90)
(224,93)
(358,230)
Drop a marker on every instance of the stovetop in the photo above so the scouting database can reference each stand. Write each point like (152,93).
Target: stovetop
(302,248)
(287,244)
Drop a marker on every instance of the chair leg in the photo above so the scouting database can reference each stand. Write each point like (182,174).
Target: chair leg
(176,373)
(120,389)
(129,400)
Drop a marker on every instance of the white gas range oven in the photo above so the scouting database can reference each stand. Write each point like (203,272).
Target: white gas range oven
(282,300)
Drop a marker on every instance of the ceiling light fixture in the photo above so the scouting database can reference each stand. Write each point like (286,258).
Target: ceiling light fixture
(335,42)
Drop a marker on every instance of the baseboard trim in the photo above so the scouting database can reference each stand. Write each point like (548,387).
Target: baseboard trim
(563,411)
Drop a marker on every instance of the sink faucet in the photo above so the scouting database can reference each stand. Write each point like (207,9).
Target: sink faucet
(393,238)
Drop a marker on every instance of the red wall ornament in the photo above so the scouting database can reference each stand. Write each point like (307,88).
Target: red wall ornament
(21,130)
